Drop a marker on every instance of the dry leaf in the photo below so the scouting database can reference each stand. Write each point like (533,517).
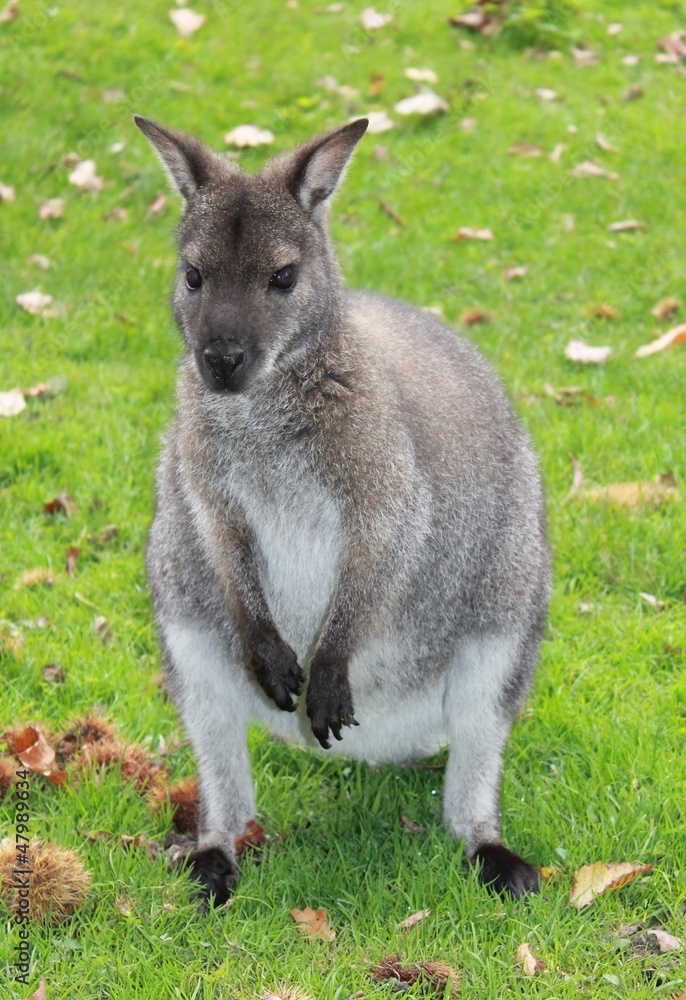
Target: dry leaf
(9,12)
(391,213)
(253,836)
(626,226)
(605,144)
(12,403)
(633,93)
(72,559)
(426,103)
(470,317)
(468,124)
(53,673)
(34,302)
(410,826)
(40,993)
(586,609)
(590,169)
(102,629)
(673,46)
(677,335)
(63,504)
(528,961)
(514,272)
(525,149)
(117,214)
(578,477)
(614,28)
(53,208)
(475,20)
(583,57)
(40,260)
(32,577)
(84,176)
(577,350)
(630,60)
(665,942)
(421,75)
(186,21)
(633,496)
(556,154)
(409,922)
(34,751)
(287,993)
(604,311)
(379,121)
(372,20)
(666,308)
(592,880)
(157,206)
(6,193)
(314,924)
(467,233)
(651,600)
(244,136)
(546,94)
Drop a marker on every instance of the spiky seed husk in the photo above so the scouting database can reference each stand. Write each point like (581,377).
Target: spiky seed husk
(183,798)
(58,880)
(8,769)
(84,731)
(135,762)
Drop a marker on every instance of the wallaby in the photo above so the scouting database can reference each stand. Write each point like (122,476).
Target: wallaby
(345,501)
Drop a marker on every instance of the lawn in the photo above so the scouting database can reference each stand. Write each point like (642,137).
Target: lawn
(595,768)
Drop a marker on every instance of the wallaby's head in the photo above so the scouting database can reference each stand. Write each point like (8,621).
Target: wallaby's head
(257,279)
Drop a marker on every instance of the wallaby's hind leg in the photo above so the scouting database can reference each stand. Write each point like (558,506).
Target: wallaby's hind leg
(212,700)
(479,707)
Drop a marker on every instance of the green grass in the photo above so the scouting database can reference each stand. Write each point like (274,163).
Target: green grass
(608,708)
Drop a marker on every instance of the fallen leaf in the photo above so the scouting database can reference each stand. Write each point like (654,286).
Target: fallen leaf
(633,93)
(244,136)
(10,12)
(379,121)
(6,193)
(605,144)
(253,836)
(674,46)
(468,124)
(291,992)
(546,94)
(630,60)
(70,160)
(84,177)
(586,609)
(514,272)
(474,20)
(583,57)
(421,75)
(314,924)
(63,504)
(72,559)
(556,154)
(614,28)
(528,961)
(633,496)
(666,308)
(436,974)
(626,226)
(40,993)
(372,20)
(651,600)
(117,214)
(665,942)
(592,880)
(12,403)
(604,311)
(53,208)
(578,476)
(677,335)
(410,826)
(102,629)
(467,233)
(470,317)
(426,103)
(186,21)
(33,577)
(41,261)
(34,751)
(589,169)
(34,302)
(525,149)
(391,213)
(577,350)
(377,83)
(409,922)
(53,673)
(157,206)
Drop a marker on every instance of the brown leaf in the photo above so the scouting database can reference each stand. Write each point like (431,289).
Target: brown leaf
(604,311)
(665,308)
(40,260)
(253,836)
(468,233)
(10,12)
(578,479)
(627,226)
(578,350)
(63,503)
(665,942)
(674,45)
(116,214)
(590,169)
(102,629)
(391,213)
(633,93)
(72,559)
(474,20)
(546,94)
(34,577)
(85,178)
(53,673)
(592,880)
(633,496)
(410,826)
(12,403)
(315,924)
(605,144)
(34,751)
(528,961)
(157,206)
(470,317)
(40,993)
(650,599)
(409,922)
(583,57)
(527,149)
(677,335)
(514,272)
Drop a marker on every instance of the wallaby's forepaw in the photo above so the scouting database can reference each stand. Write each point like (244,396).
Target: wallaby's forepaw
(215,872)
(329,702)
(277,670)
(504,871)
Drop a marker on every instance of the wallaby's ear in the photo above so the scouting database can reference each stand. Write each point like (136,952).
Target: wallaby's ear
(318,166)
(187,161)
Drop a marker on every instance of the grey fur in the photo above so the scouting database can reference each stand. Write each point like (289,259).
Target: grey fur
(359,508)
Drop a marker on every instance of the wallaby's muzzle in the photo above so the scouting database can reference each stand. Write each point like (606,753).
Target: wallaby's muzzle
(222,365)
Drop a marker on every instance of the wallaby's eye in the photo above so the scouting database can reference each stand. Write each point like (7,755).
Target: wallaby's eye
(193,278)
(285,278)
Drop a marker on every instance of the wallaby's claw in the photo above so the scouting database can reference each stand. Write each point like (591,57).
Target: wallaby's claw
(277,671)
(329,703)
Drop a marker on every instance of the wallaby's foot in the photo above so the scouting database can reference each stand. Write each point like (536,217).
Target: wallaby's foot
(329,701)
(277,670)
(504,871)
(215,872)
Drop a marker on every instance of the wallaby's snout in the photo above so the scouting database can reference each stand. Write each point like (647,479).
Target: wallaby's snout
(222,365)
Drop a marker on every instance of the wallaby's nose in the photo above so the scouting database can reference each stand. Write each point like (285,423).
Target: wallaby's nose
(222,359)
